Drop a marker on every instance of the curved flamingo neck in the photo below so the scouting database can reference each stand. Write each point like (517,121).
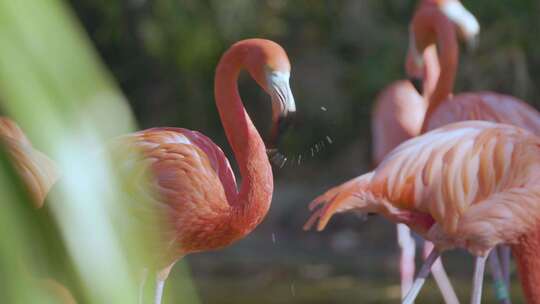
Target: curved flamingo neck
(526,253)
(253,200)
(433,28)
(432,72)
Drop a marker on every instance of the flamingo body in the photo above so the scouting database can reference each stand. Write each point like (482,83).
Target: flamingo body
(185,182)
(194,187)
(397,116)
(471,184)
(487,106)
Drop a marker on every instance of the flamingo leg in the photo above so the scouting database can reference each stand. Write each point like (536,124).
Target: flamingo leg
(479,267)
(501,289)
(160,284)
(144,277)
(441,278)
(421,277)
(505,254)
(406,261)
(161,277)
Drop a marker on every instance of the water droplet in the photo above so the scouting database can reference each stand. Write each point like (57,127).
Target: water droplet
(273,238)
(299,158)
(323,109)
(293,290)
(284,160)
(312,153)
(329,139)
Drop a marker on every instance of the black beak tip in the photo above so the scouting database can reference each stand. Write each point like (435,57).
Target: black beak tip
(472,44)
(279,128)
(417,84)
(284,122)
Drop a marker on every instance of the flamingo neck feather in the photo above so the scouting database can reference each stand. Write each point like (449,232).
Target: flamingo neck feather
(526,254)
(253,200)
(432,68)
(433,28)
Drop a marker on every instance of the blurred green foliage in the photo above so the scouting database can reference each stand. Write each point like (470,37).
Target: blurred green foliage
(55,87)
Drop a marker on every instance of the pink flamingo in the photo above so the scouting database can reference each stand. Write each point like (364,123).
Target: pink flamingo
(471,185)
(399,115)
(196,195)
(429,29)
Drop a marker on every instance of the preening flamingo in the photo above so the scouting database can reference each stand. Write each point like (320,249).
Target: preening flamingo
(399,115)
(37,172)
(194,191)
(429,30)
(471,185)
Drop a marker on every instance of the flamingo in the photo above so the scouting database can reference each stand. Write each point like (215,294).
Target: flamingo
(37,172)
(429,29)
(399,115)
(195,195)
(471,185)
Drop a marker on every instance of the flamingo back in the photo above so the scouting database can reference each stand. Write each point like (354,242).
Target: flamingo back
(487,106)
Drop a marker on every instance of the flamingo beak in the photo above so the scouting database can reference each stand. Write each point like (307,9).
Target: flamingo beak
(465,20)
(283,105)
(417,84)
(472,43)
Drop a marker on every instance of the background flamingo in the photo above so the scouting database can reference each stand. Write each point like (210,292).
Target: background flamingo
(472,185)
(399,115)
(38,174)
(444,108)
(195,193)
(431,27)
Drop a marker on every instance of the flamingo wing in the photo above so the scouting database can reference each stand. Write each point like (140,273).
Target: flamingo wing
(449,174)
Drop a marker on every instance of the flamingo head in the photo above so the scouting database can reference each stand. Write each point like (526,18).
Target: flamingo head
(468,26)
(269,65)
